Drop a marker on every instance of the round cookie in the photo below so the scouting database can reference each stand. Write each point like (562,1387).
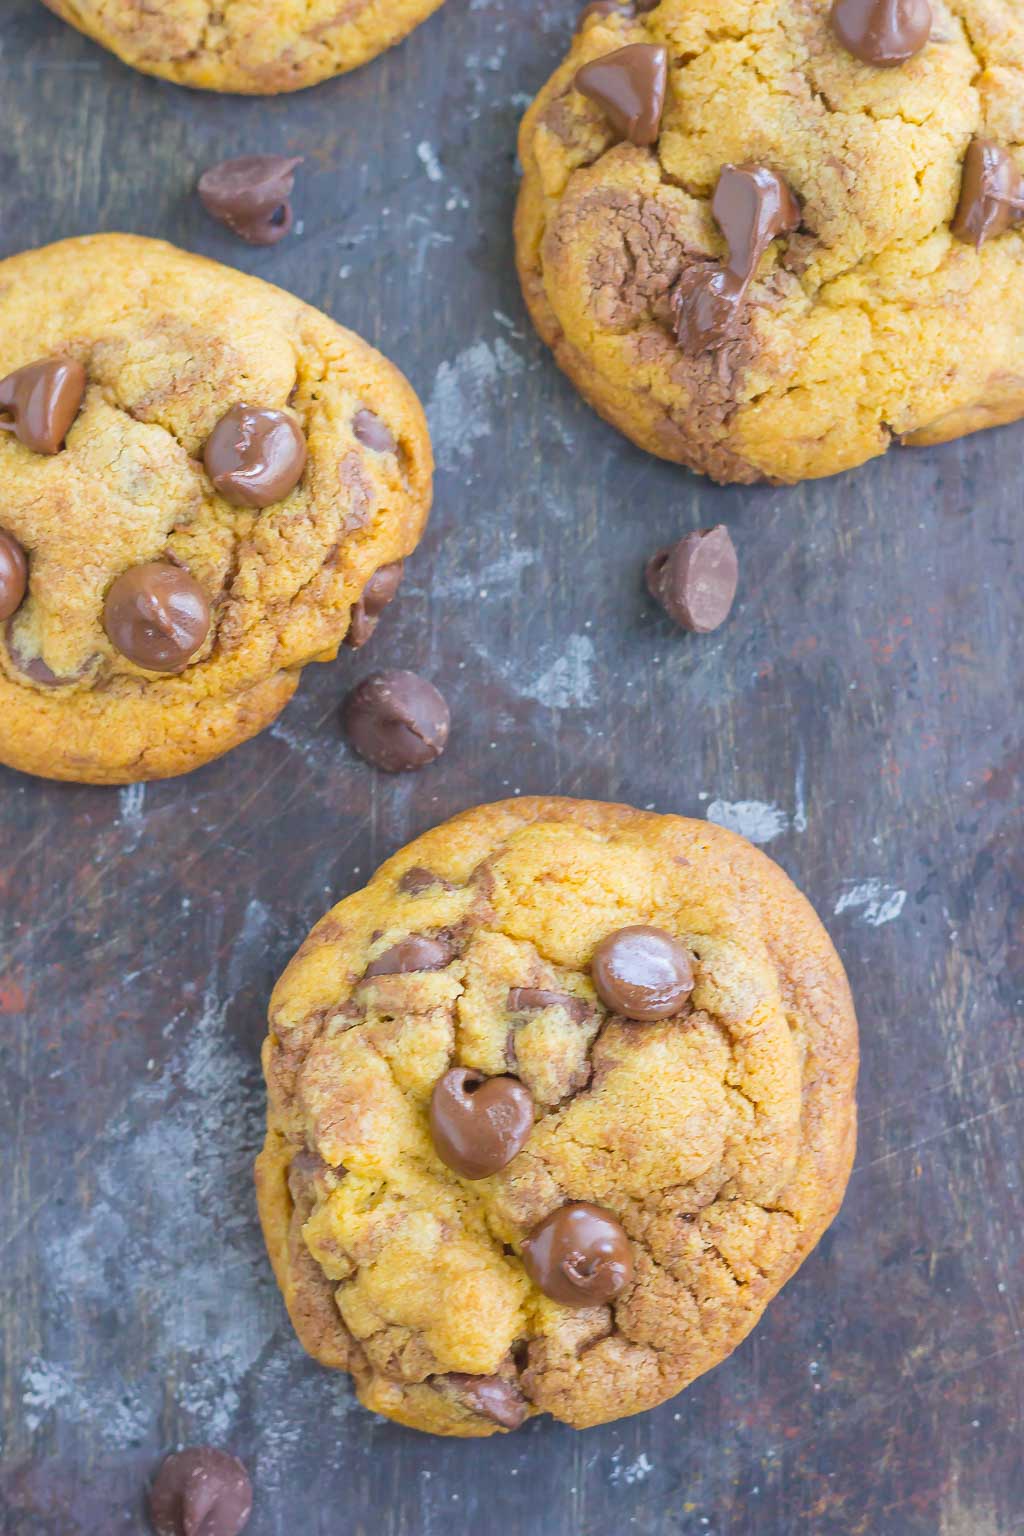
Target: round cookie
(860,321)
(248,47)
(556,1105)
(151,621)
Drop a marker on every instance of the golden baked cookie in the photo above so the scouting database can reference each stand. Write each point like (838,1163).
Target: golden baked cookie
(749,240)
(207,484)
(248,47)
(557,1104)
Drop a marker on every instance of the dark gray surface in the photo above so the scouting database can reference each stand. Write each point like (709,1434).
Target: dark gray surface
(866,698)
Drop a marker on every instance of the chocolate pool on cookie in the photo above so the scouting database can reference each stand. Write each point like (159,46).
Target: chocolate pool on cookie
(557,1103)
(191,512)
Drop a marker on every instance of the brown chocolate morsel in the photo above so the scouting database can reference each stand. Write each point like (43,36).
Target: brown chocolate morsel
(629,86)
(752,206)
(642,973)
(535,999)
(579,1255)
(492,1397)
(379,591)
(418,952)
(157,615)
(13,575)
(882,32)
(991,194)
(42,400)
(396,720)
(250,195)
(478,1123)
(35,669)
(417,880)
(200,1492)
(373,433)
(695,581)
(255,456)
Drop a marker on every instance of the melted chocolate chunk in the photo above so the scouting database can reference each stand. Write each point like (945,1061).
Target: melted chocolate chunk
(492,1397)
(200,1492)
(642,973)
(579,1256)
(752,206)
(379,591)
(882,32)
(13,575)
(397,721)
(157,615)
(629,86)
(479,1124)
(254,456)
(991,194)
(42,401)
(251,196)
(373,433)
(417,880)
(536,999)
(418,952)
(695,581)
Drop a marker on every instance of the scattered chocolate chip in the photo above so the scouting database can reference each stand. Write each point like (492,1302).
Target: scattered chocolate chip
(251,196)
(492,1397)
(991,194)
(479,1123)
(629,86)
(200,1492)
(42,400)
(35,669)
(13,575)
(695,581)
(379,591)
(396,720)
(642,973)
(415,881)
(882,32)
(580,1256)
(373,433)
(416,953)
(255,456)
(157,615)
(536,999)
(752,206)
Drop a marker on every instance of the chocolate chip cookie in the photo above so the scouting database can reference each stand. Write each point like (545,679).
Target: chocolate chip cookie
(246,46)
(203,480)
(763,240)
(556,1105)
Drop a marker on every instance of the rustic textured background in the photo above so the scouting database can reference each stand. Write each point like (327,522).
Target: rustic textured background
(860,716)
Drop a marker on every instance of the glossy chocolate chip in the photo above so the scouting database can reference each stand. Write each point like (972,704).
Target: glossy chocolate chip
(579,1256)
(536,999)
(397,721)
(157,615)
(251,196)
(42,400)
(200,1492)
(418,952)
(479,1123)
(379,591)
(642,973)
(13,575)
(695,581)
(492,1397)
(255,456)
(991,194)
(882,32)
(373,433)
(417,880)
(629,86)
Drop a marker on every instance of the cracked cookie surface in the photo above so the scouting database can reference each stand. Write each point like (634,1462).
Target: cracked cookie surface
(863,326)
(248,47)
(169,343)
(721,1139)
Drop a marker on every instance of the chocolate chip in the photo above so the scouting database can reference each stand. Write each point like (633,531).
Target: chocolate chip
(479,1123)
(752,206)
(373,433)
(42,400)
(416,953)
(396,720)
(379,591)
(492,1397)
(13,575)
(642,973)
(629,86)
(882,32)
(200,1492)
(255,456)
(251,196)
(695,581)
(536,999)
(991,194)
(580,1256)
(35,669)
(157,615)
(415,881)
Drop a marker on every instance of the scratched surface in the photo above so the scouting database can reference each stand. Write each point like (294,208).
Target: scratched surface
(860,716)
